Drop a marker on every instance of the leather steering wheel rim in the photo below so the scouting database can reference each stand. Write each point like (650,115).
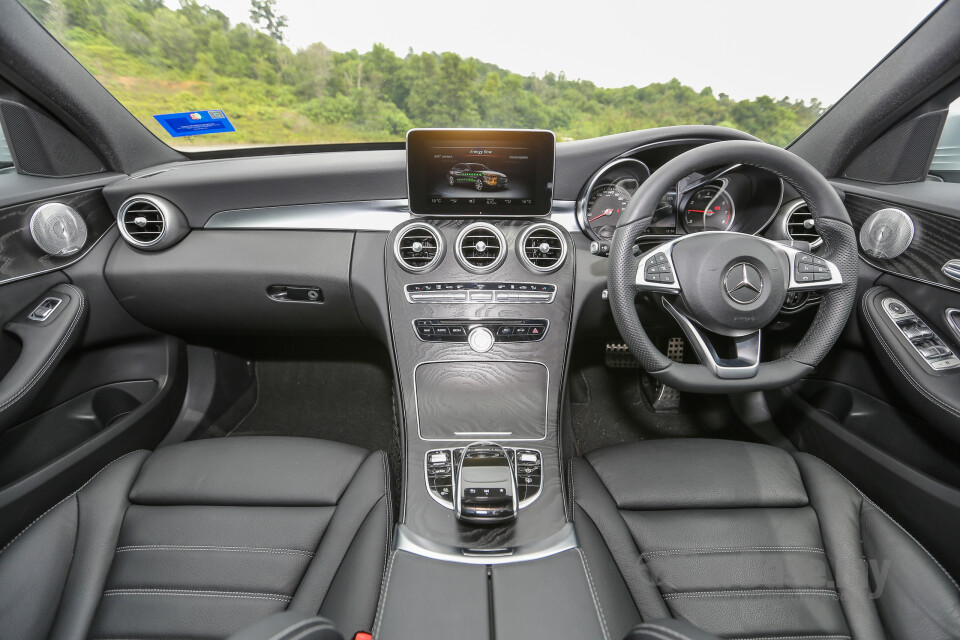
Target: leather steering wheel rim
(832,223)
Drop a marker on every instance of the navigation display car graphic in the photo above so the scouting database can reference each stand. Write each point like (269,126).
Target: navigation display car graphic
(476,176)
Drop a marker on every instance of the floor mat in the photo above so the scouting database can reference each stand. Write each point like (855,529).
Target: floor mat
(608,407)
(333,392)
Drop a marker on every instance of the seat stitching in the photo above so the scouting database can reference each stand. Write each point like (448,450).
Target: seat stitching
(250,595)
(389,500)
(593,594)
(383,596)
(705,551)
(73,324)
(874,505)
(573,493)
(825,593)
(177,547)
(903,370)
(67,498)
(799,637)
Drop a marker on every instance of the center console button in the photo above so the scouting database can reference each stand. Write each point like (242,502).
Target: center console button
(481,339)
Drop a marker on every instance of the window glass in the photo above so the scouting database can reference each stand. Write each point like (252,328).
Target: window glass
(946,159)
(280,72)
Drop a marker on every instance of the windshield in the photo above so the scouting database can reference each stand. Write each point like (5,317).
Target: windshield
(280,72)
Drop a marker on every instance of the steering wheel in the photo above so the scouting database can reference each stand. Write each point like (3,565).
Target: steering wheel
(724,287)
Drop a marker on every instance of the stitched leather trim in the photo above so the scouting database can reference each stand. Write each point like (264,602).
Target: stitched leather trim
(383,597)
(67,498)
(751,593)
(899,526)
(195,593)
(685,552)
(593,594)
(174,547)
(800,637)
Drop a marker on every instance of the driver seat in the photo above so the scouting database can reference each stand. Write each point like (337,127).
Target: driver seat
(748,541)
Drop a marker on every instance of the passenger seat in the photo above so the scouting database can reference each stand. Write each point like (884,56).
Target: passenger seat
(202,539)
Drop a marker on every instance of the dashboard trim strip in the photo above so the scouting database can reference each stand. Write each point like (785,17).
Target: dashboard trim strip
(358,215)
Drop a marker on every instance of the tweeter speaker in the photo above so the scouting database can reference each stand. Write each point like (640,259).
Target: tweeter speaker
(58,229)
(887,233)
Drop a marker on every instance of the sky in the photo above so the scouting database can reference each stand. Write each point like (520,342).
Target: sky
(744,48)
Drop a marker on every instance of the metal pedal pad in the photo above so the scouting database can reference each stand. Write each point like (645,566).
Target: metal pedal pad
(617,356)
(664,399)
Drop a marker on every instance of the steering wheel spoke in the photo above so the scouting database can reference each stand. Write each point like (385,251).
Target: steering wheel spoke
(657,271)
(742,362)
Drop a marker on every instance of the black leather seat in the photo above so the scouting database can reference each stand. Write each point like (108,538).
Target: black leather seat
(201,539)
(748,541)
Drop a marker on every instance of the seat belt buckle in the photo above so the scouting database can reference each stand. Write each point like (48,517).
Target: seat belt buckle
(363,635)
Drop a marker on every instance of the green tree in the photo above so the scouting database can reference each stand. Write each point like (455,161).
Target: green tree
(265,11)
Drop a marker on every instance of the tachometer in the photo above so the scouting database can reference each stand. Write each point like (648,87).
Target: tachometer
(604,208)
(710,208)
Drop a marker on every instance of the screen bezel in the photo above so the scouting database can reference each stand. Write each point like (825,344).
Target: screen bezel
(542,140)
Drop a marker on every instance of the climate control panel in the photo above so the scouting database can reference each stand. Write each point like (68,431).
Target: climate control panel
(481,292)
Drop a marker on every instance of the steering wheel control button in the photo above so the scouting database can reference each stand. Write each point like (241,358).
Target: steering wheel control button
(481,339)
(743,282)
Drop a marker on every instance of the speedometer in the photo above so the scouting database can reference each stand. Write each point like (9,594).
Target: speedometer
(710,208)
(604,208)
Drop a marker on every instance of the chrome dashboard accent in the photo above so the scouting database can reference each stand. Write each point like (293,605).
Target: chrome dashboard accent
(358,215)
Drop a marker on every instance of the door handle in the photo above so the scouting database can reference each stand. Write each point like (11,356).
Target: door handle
(952,269)
(46,330)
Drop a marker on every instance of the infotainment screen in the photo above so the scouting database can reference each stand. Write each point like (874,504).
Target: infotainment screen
(472,172)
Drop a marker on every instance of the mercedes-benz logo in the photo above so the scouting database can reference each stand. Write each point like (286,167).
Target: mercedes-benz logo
(743,282)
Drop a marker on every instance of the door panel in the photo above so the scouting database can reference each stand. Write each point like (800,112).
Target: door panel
(877,409)
(82,384)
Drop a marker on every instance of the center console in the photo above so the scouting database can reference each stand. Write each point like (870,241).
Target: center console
(480,299)
(480,355)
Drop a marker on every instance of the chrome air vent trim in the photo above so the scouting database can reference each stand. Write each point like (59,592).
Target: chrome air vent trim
(542,248)
(481,248)
(143,220)
(798,224)
(418,247)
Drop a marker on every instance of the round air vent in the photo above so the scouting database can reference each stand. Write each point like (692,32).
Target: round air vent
(418,247)
(887,233)
(799,224)
(143,220)
(542,248)
(481,247)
